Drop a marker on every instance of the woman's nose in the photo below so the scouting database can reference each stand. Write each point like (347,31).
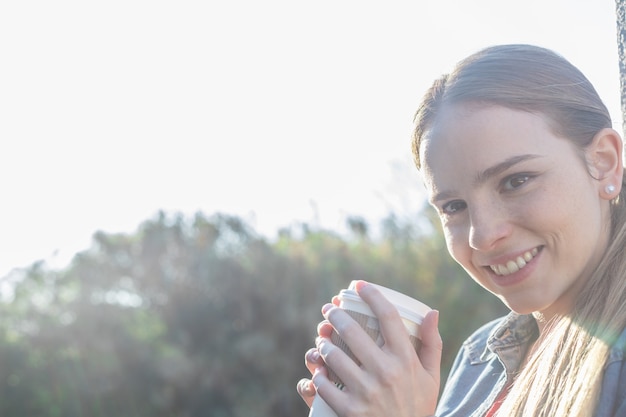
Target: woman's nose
(488,226)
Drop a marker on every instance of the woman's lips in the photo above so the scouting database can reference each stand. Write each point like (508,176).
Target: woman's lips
(516,270)
(516,264)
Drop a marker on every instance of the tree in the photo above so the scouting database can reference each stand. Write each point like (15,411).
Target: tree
(201,316)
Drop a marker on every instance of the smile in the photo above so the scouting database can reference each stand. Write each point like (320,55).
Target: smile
(514,265)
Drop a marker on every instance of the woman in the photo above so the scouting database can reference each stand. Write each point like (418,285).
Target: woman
(526,173)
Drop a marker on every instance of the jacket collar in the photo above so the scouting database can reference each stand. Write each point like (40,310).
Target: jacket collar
(508,339)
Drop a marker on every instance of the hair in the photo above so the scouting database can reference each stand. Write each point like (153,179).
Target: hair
(563,376)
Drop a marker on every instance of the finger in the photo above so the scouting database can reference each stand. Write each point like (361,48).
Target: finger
(392,328)
(307,391)
(325,329)
(336,359)
(432,345)
(313,360)
(351,332)
(329,392)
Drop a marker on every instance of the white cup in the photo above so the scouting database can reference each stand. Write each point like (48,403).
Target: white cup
(411,311)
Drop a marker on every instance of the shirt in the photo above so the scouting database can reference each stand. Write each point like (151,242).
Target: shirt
(488,359)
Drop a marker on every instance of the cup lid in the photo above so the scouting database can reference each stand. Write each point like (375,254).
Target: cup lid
(408,307)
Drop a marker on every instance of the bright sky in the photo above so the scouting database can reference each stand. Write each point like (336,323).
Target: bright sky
(275,111)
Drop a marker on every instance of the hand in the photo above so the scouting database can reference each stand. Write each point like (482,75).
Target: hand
(314,363)
(393,379)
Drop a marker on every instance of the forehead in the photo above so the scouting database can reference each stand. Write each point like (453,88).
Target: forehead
(465,140)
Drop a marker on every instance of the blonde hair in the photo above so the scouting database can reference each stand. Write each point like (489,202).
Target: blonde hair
(563,376)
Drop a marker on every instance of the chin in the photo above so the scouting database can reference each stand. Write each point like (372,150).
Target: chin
(520,308)
(522,311)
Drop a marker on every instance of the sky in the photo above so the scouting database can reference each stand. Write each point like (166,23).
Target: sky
(276,111)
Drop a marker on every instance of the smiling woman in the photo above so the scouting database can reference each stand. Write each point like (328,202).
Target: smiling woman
(525,171)
(537,205)
(517,196)
(547,203)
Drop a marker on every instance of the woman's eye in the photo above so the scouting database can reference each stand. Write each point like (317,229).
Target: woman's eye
(515,181)
(453,207)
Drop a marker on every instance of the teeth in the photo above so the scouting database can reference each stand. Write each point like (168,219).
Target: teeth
(528,256)
(514,265)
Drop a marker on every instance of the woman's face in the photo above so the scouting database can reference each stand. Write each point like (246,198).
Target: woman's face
(520,211)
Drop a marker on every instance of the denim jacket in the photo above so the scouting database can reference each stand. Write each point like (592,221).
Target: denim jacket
(489,358)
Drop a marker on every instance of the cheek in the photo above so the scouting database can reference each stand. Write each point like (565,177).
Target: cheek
(457,245)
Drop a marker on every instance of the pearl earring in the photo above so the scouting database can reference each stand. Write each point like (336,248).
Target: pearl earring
(610,189)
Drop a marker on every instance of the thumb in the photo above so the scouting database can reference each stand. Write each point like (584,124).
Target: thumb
(432,345)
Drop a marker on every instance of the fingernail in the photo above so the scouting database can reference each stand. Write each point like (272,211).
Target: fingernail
(315,379)
(314,356)
(360,285)
(436,314)
(301,386)
(326,307)
(319,343)
(304,387)
(323,346)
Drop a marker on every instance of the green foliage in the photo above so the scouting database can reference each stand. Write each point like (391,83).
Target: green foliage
(203,317)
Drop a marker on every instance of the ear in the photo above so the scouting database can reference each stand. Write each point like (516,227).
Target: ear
(604,156)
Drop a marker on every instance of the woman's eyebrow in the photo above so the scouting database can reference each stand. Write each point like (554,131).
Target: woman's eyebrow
(499,168)
(488,173)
